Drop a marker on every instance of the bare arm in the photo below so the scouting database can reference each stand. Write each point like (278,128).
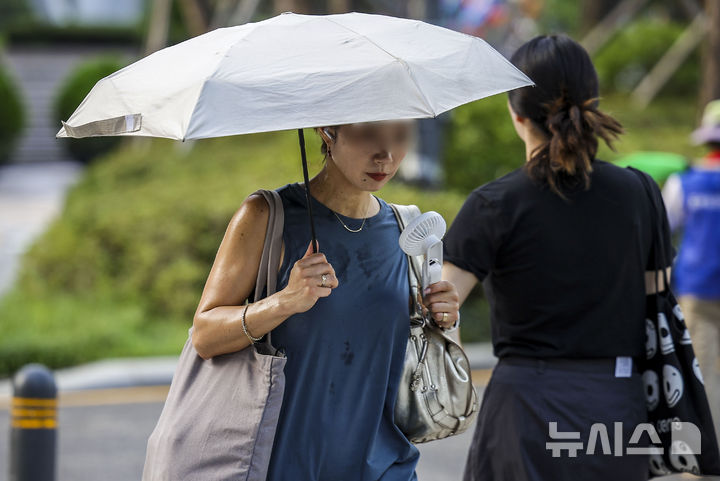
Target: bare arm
(463,280)
(454,289)
(217,325)
(650,287)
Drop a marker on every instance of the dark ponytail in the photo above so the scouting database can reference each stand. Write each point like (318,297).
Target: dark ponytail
(563,105)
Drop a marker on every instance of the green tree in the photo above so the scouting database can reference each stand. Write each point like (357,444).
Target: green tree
(711,54)
(12,11)
(72,93)
(11,115)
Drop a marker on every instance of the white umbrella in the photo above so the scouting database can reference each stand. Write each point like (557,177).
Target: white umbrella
(292,72)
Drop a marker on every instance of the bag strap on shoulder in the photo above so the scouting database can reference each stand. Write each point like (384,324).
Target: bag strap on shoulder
(404,215)
(657,235)
(267,272)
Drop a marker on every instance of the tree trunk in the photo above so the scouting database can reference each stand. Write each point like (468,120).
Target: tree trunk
(338,6)
(593,11)
(159,24)
(297,6)
(711,55)
(193,17)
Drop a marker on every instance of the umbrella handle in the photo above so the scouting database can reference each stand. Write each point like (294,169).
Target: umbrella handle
(301,138)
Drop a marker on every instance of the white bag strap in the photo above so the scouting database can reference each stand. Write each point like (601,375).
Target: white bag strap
(404,215)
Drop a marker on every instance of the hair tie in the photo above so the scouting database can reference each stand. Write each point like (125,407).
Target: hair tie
(576,117)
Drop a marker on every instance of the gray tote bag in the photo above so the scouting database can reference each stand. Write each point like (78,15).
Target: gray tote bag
(218,422)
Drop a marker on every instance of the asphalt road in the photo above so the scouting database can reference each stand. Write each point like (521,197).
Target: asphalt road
(98,441)
(102,435)
(103,431)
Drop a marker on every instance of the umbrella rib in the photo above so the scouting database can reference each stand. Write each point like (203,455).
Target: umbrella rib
(212,74)
(200,92)
(403,62)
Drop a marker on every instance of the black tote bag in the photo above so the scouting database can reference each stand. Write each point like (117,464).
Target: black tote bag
(674,387)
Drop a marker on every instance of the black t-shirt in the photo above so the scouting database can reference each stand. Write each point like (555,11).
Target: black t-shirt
(564,279)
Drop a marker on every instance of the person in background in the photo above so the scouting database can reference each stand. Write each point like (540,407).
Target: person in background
(562,245)
(692,199)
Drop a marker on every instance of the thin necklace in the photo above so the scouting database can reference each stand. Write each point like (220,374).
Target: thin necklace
(348,228)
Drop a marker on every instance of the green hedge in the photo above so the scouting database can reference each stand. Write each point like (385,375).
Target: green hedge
(121,270)
(635,49)
(72,92)
(480,144)
(60,329)
(33,32)
(149,222)
(13,12)
(11,115)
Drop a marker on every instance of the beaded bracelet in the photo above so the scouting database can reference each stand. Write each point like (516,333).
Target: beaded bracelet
(245,330)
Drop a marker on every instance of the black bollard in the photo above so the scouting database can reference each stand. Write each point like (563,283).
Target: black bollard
(33,426)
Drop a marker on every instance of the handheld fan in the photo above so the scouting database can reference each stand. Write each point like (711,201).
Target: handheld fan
(423,236)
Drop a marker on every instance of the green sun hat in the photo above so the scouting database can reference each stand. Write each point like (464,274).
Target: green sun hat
(658,164)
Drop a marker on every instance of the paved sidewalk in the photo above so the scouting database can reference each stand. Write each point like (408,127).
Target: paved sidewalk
(158,371)
(31,195)
(109,408)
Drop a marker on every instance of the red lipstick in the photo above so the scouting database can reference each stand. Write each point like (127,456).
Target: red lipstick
(376,175)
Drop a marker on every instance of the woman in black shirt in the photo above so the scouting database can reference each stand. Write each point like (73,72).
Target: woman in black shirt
(562,246)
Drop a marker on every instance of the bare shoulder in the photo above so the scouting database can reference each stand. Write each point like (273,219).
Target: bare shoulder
(236,263)
(250,219)
(253,209)
(246,231)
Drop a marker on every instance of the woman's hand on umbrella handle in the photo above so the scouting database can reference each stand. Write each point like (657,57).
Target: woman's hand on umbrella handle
(442,299)
(306,284)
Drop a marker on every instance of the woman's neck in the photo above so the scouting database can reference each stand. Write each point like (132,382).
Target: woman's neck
(333,190)
(532,140)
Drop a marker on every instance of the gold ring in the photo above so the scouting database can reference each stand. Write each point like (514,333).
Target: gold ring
(444,317)
(324,278)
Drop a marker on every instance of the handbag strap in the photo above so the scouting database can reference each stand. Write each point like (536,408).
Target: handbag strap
(658,243)
(404,214)
(267,272)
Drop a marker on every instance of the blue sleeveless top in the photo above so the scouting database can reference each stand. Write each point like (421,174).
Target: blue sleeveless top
(345,354)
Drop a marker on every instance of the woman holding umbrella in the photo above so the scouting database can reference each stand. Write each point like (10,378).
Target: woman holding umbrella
(341,314)
(562,244)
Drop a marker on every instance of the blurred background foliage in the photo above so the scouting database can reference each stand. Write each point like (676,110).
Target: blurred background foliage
(629,56)
(11,114)
(121,270)
(72,92)
(135,242)
(13,12)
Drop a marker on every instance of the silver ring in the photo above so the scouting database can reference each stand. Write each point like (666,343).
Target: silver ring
(324,279)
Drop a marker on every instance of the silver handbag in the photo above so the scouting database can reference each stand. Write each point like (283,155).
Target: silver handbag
(436,397)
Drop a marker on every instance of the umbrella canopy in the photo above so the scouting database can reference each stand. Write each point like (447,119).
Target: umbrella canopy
(292,72)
